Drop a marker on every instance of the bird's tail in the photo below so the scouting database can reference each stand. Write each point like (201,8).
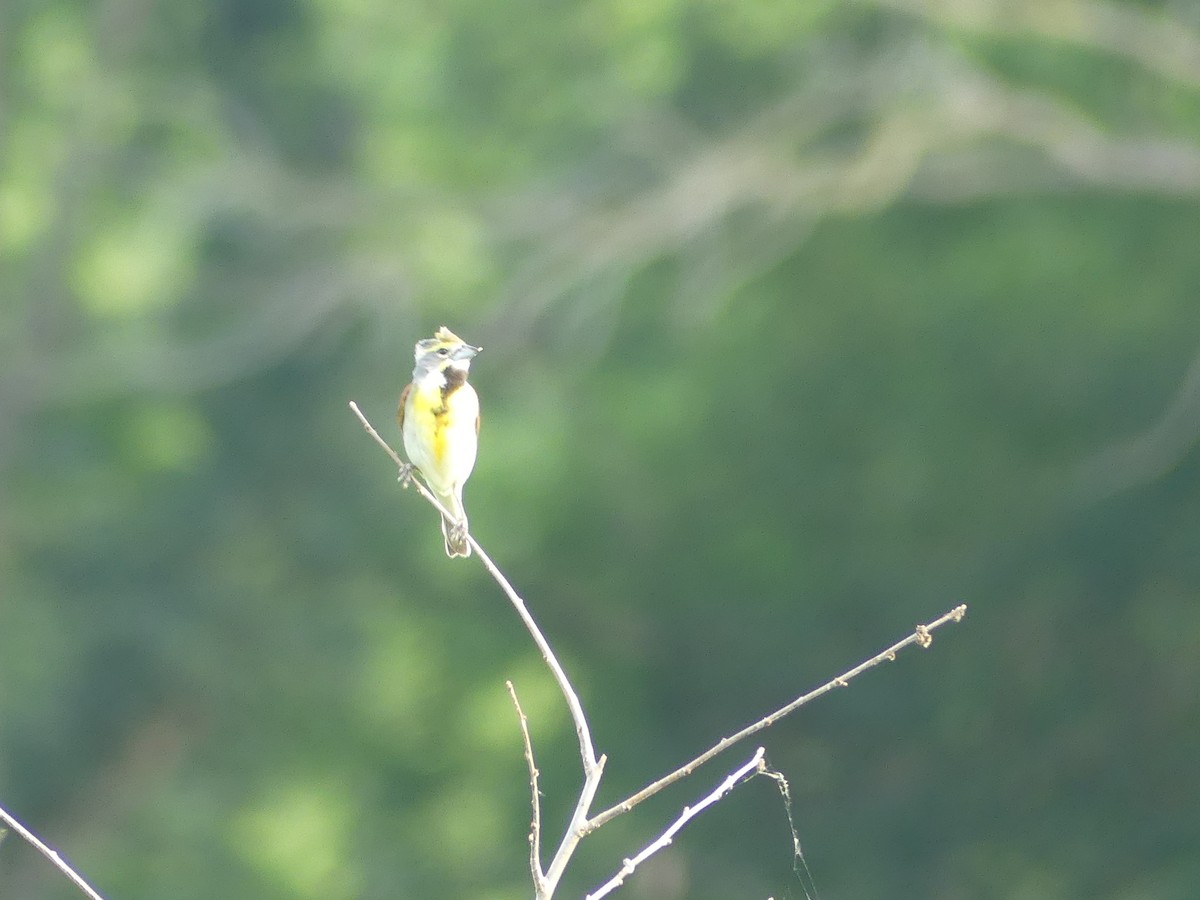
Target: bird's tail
(454,531)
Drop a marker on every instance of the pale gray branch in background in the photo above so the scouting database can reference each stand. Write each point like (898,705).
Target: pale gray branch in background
(1156,42)
(1150,454)
(938,126)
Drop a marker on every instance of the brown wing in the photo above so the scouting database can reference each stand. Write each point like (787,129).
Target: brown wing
(403,403)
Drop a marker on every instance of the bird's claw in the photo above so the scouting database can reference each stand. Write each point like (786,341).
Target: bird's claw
(406,475)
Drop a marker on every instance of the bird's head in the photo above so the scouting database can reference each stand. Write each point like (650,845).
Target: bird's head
(445,350)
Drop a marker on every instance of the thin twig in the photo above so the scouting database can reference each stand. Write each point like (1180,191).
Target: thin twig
(586,749)
(627,868)
(535,828)
(921,635)
(387,448)
(50,854)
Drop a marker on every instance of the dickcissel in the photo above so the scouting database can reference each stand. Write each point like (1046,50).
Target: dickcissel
(439,418)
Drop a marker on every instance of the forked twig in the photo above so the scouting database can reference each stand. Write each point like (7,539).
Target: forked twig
(627,867)
(50,853)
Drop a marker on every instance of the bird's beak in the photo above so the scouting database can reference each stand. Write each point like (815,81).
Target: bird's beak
(466,351)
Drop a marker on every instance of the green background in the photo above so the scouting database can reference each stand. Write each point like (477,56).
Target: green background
(803,323)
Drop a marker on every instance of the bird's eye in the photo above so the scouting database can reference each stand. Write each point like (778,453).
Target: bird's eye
(442,351)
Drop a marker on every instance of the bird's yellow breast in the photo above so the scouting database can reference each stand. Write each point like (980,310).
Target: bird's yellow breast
(440,432)
(433,417)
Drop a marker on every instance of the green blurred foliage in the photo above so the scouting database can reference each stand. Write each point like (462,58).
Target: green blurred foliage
(803,323)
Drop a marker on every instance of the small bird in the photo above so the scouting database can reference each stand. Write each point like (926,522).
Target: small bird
(439,418)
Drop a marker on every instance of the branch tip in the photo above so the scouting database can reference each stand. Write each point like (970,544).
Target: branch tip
(842,680)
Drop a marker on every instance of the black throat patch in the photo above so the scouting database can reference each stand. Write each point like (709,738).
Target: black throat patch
(455,378)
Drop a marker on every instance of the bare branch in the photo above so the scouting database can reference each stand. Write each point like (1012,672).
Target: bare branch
(535,827)
(593,767)
(580,825)
(936,124)
(921,635)
(576,831)
(1158,43)
(404,467)
(586,748)
(50,854)
(689,812)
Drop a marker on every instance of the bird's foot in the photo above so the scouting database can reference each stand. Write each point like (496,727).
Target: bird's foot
(406,475)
